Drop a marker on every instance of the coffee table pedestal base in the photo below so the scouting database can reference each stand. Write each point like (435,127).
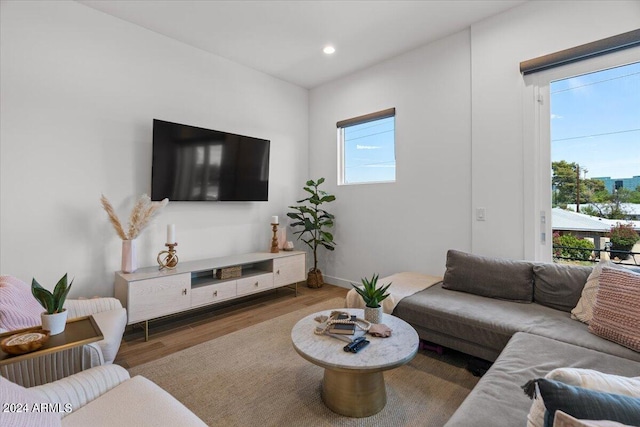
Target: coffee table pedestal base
(354,394)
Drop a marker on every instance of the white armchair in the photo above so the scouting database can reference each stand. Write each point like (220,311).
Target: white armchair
(101,396)
(110,317)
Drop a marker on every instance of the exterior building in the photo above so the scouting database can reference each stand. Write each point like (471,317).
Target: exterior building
(614,183)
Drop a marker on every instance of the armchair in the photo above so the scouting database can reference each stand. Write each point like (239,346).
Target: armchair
(18,309)
(100,396)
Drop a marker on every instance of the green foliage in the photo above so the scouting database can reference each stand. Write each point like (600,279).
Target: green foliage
(313,219)
(52,302)
(370,293)
(570,246)
(566,181)
(623,236)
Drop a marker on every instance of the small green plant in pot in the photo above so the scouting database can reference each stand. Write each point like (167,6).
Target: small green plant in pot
(54,318)
(623,237)
(372,295)
(314,222)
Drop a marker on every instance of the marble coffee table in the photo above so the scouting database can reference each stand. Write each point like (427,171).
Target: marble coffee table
(353,383)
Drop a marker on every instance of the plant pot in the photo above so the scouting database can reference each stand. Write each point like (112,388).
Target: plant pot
(373,315)
(129,257)
(54,323)
(314,278)
(621,251)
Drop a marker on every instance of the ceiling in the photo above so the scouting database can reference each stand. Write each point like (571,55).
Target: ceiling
(285,38)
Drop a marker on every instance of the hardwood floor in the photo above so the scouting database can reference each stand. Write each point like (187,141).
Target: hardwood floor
(176,333)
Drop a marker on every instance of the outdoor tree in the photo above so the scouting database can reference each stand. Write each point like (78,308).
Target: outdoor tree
(568,184)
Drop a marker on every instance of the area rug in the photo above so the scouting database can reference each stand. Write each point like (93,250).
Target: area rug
(254,377)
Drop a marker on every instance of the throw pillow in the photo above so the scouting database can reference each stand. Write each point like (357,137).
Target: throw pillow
(583,311)
(18,409)
(566,420)
(18,308)
(559,285)
(616,314)
(489,277)
(587,404)
(585,378)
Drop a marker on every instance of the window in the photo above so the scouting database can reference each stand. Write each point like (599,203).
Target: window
(366,148)
(594,140)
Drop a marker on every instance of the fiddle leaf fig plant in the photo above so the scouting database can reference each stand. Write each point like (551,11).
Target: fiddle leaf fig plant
(313,220)
(52,302)
(371,293)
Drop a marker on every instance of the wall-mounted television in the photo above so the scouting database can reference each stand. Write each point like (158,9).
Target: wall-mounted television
(197,164)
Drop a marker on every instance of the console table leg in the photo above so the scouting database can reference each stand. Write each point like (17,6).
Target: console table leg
(146,330)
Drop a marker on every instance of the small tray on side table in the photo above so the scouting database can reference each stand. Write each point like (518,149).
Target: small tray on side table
(78,331)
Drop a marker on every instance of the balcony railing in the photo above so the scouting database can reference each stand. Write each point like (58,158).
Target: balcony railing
(595,255)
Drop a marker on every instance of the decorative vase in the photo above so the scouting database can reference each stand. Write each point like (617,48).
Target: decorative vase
(54,323)
(315,279)
(373,315)
(129,257)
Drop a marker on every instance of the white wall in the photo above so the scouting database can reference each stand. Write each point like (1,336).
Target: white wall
(460,137)
(409,224)
(79,92)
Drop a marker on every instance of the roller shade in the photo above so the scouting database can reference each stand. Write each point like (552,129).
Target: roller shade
(578,53)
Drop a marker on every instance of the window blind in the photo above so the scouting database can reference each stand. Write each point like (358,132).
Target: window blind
(578,53)
(390,112)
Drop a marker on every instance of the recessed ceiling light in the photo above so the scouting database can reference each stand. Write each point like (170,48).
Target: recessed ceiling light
(329,50)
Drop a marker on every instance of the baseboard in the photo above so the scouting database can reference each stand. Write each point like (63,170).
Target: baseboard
(343,283)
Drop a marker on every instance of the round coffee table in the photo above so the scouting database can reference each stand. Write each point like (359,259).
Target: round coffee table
(353,383)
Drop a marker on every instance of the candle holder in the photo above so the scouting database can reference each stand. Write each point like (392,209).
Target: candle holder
(274,239)
(168,259)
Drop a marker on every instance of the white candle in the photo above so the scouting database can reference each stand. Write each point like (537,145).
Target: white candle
(171,233)
(274,219)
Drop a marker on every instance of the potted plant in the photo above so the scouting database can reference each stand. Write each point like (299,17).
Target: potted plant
(314,222)
(54,318)
(622,237)
(372,296)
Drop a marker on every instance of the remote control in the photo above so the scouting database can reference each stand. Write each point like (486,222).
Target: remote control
(356,345)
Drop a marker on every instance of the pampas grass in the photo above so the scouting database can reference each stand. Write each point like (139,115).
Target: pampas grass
(141,215)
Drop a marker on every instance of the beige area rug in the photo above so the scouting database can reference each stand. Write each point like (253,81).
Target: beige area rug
(254,377)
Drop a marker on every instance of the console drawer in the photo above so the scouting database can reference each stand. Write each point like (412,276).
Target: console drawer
(212,293)
(256,283)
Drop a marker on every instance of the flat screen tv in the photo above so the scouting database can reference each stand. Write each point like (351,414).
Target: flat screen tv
(196,164)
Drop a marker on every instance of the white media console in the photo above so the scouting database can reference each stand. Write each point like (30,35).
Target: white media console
(150,293)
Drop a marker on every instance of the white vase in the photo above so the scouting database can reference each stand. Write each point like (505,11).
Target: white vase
(373,315)
(129,256)
(54,323)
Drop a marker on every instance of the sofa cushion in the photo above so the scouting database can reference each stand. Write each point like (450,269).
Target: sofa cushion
(136,402)
(482,326)
(20,410)
(498,401)
(559,286)
(588,404)
(616,314)
(18,307)
(489,277)
(586,378)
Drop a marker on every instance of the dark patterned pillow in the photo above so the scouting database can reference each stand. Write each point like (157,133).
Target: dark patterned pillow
(587,404)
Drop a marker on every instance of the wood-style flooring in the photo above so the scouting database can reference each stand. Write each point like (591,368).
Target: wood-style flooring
(176,333)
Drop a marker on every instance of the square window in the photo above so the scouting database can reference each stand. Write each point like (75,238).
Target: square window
(366,149)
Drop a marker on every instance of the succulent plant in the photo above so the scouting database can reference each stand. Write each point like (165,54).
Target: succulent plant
(52,302)
(370,293)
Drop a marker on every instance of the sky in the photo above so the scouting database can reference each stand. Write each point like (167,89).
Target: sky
(595,121)
(370,152)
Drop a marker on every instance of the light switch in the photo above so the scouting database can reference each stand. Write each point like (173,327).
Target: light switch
(480,214)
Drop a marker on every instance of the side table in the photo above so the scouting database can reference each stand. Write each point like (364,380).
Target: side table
(79,331)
